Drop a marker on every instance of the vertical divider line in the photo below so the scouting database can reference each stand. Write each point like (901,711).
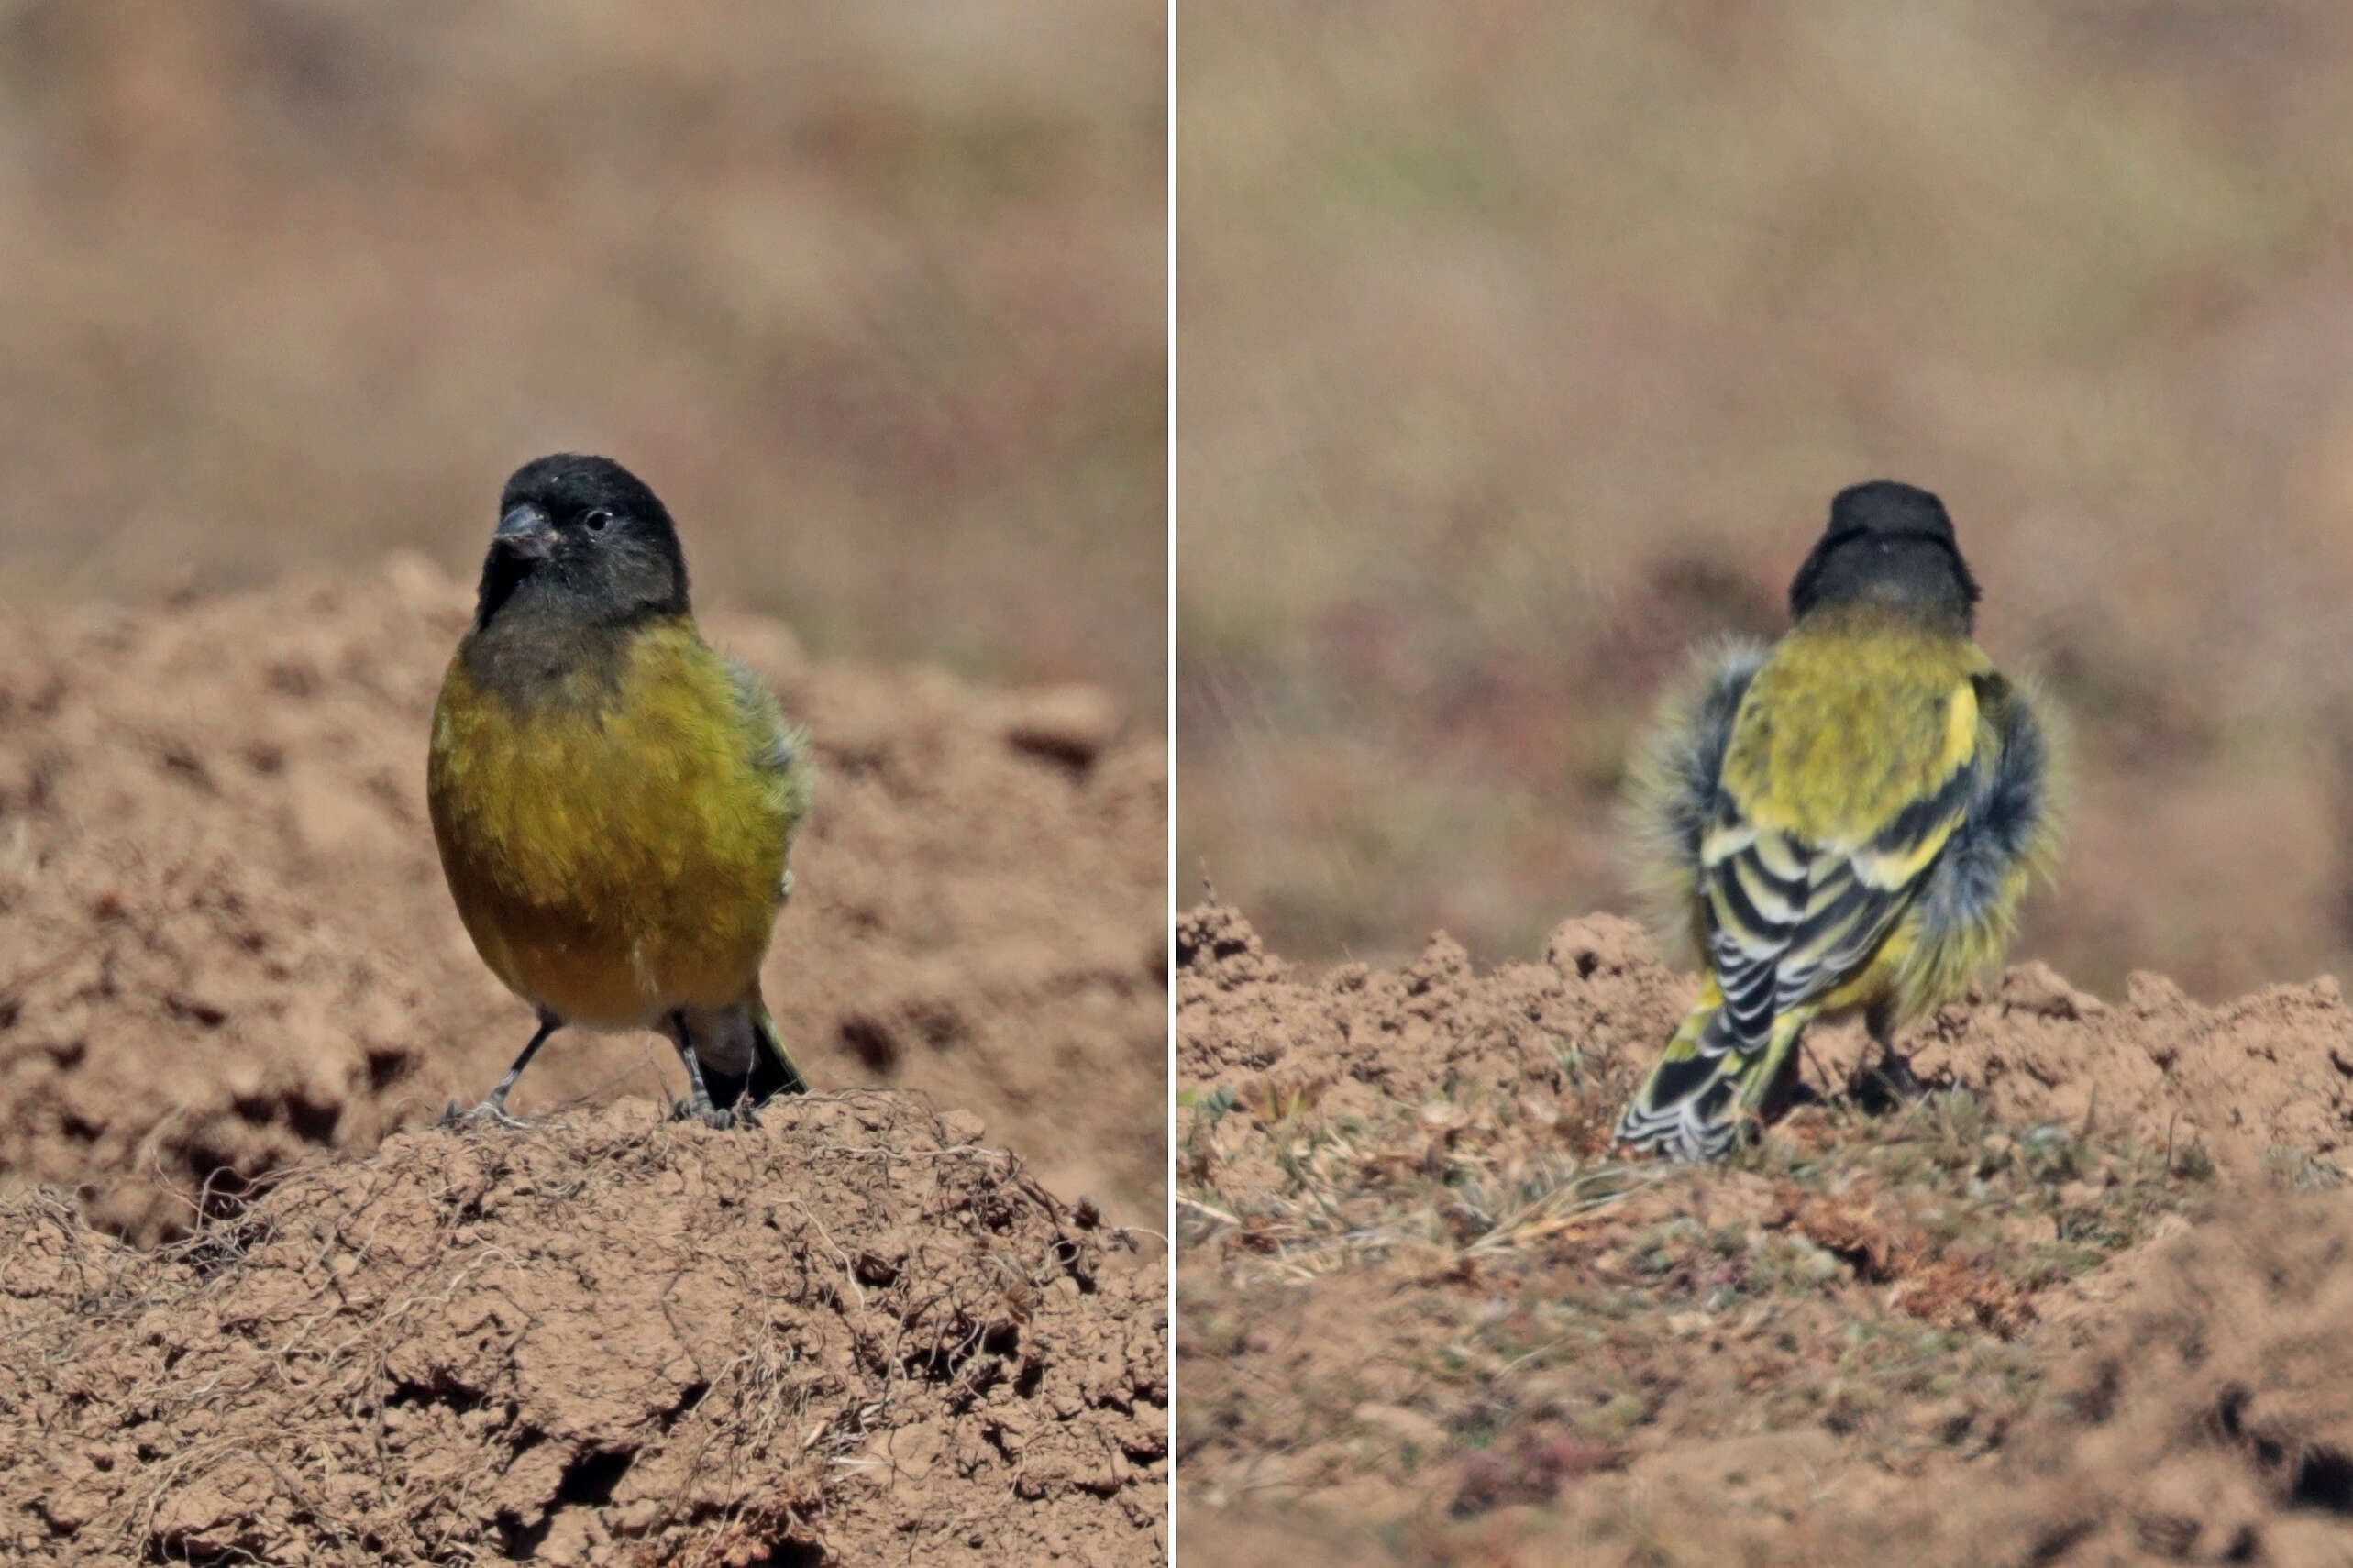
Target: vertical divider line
(1168,1133)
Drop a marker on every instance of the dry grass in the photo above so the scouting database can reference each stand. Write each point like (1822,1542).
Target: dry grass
(1479,1176)
(1426,1315)
(1469,1304)
(1523,344)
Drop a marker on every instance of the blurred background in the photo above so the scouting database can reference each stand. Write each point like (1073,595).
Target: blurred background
(873,296)
(1522,345)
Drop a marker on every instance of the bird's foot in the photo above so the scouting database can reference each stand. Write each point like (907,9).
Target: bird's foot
(717,1116)
(1887,1086)
(493,1111)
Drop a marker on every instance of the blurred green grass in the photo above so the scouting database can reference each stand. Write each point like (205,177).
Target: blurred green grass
(1521,347)
(873,296)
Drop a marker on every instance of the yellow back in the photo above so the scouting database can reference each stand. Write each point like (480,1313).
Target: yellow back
(1852,716)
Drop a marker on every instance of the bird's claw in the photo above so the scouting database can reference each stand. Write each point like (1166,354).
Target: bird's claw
(714,1116)
(490,1110)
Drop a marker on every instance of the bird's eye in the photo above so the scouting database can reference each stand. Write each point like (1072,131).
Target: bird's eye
(597,519)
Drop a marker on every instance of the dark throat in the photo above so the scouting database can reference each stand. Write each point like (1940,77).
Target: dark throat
(538,647)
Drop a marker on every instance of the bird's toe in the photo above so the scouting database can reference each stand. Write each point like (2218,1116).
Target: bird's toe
(490,1110)
(686,1109)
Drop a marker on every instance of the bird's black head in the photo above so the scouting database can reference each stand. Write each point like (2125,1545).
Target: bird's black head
(1889,546)
(583,536)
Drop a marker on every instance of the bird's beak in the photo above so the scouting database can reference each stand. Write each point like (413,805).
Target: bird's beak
(525,532)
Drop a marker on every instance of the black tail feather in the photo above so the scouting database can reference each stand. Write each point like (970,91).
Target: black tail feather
(772,1071)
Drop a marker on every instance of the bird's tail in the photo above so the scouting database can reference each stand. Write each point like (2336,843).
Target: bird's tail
(774,1072)
(1707,1084)
(735,1066)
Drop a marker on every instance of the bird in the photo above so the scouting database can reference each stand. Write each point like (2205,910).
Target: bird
(614,802)
(1842,822)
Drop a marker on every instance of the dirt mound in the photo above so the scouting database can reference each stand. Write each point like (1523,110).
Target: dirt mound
(2265,1077)
(852,1335)
(1426,1315)
(223,939)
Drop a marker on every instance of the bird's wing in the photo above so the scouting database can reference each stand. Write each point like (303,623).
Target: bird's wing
(1687,760)
(778,751)
(775,745)
(1671,784)
(1790,920)
(2009,828)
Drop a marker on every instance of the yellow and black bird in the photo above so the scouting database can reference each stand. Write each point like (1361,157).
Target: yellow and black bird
(614,802)
(1842,823)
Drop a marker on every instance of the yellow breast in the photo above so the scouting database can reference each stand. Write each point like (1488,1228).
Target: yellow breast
(613,847)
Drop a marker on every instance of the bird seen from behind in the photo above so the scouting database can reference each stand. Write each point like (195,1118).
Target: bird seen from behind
(1842,823)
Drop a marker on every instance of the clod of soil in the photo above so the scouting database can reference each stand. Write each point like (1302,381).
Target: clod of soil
(2059,1311)
(2212,1420)
(853,1335)
(225,944)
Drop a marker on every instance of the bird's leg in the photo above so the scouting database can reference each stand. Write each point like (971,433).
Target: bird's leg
(1895,1068)
(697,1103)
(494,1107)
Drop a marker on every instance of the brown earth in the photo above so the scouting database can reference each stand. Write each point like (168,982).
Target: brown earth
(231,989)
(2085,1304)
(224,943)
(854,1335)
